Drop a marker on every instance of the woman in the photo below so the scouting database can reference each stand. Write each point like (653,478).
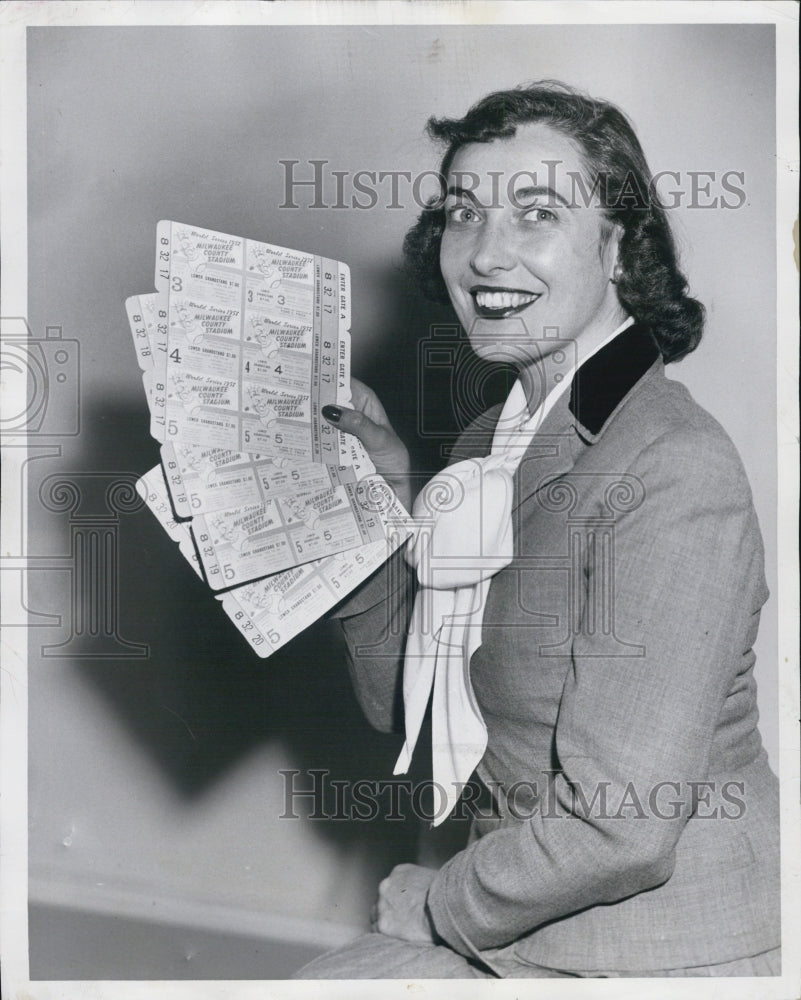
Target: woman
(591,654)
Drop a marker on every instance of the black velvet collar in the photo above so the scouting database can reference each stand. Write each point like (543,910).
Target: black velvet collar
(601,383)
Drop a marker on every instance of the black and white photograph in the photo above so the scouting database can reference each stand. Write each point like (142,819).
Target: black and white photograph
(400,499)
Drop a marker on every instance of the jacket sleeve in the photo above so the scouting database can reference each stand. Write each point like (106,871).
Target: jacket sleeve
(374,621)
(688,586)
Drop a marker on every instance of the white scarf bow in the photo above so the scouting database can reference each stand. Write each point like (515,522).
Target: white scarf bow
(464,537)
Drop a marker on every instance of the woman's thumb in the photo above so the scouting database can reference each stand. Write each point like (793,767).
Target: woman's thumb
(354,422)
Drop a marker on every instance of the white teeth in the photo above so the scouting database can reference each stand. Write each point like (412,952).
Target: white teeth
(503,300)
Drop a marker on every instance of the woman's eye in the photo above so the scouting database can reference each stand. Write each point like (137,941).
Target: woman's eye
(538,214)
(462,213)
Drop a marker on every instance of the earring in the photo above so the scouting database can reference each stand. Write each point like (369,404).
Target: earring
(617,274)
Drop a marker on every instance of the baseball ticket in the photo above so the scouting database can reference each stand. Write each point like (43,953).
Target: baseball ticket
(257,343)
(272,611)
(241,545)
(204,480)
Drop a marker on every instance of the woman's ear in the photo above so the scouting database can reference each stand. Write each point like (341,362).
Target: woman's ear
(610,250)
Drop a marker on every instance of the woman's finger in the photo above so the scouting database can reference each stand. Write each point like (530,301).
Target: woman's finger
(367,420)
(371,435)
(363,398)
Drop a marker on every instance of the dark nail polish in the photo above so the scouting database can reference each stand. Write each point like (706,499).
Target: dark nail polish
(332,413)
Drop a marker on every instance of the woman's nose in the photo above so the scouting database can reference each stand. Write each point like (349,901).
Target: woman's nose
(493,251)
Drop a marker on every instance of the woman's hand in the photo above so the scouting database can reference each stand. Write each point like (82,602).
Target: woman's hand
(369,423)
(401,907)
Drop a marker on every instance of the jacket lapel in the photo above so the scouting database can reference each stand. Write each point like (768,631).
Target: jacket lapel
(603,383)
(553,452)
(599,389)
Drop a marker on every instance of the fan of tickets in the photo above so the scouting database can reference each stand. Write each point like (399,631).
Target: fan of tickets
(240,346)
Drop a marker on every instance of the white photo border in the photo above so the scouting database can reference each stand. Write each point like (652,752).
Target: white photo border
(15,18)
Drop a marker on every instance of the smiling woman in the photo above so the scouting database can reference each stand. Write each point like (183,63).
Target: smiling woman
(604,699)
(594,162)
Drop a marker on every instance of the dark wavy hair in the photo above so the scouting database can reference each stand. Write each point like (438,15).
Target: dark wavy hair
(650,287)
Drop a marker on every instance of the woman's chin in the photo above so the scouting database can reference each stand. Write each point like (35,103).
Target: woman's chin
(512,354)
(507,340)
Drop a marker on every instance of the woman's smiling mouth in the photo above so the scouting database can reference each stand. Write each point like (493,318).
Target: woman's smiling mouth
(497,303)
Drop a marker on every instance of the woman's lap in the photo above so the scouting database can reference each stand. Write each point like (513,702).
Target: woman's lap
(378,956)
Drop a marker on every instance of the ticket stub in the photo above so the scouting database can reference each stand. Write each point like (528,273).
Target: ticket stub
(141,318)
(272,611)
(204,480)
(152,488)
(149,332)
(257,339)
(175,484)
(151,351)
(236,546)
(150,312)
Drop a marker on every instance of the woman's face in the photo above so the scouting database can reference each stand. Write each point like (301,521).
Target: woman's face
(526,254)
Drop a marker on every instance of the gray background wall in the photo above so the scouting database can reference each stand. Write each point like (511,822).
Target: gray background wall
(154,782)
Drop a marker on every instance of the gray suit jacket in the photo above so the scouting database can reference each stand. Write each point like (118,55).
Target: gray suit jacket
(636,824)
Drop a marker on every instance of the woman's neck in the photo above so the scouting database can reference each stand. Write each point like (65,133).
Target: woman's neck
(561,359)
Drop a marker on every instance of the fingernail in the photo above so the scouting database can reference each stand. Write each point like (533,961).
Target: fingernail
(332,413)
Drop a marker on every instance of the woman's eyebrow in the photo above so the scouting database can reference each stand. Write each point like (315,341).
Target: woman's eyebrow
(535,191)
(460,192)
(521,195)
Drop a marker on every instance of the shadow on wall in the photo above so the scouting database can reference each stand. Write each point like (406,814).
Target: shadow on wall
(201,702)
